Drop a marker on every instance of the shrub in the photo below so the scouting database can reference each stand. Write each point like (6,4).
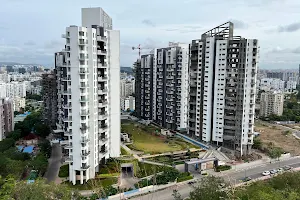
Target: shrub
(64,171)
(222,168)
(184,178)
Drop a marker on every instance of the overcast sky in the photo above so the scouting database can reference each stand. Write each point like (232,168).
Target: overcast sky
(30,31)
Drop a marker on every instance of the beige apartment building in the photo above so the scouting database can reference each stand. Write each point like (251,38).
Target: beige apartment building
(271,103)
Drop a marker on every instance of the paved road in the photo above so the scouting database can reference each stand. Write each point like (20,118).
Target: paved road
(254,172)
(54,163)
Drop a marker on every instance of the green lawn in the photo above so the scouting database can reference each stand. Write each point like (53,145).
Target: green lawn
(124,152)
(145,139)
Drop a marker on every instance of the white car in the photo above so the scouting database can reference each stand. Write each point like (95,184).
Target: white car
(273,171)
(266,173)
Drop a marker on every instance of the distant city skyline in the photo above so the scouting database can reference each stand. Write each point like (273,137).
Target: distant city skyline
(138,24)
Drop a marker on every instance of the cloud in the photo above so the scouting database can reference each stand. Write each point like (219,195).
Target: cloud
(290,27)
(30,43)
(185,28)
(148,22)
(238,24)
(54,44)
(279,50)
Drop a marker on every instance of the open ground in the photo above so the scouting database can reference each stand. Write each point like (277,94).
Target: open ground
(278,136)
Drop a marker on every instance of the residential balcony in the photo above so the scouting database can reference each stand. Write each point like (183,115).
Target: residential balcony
(102,116)
(65,78)
(84,154)
(81,42)
(103,126)
(193,111)
(104,139)
(68,159)
(84,112)
(83,99)
(84,127)
(103,151)
(83,86)
(83,71)
(102,91)
(102,78)
(84,167)
(101,65)
(67,133)
(68,146)
(66,106)
(102,103)
(82,58)
(84,140)
(101,52)
(66,92)
(101,38)
(68,119)
(64,142)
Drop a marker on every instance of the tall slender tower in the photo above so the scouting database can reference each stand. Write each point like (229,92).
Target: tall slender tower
(88,83)
(223,72)
(162,85)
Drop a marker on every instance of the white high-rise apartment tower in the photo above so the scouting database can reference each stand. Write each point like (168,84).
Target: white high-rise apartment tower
(223,70)
(88,78)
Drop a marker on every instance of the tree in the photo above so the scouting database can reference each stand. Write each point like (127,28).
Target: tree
(45,148)
(42,130)
(209,189)
(275,153)
(40,190)
(257,144)
(39,163)
(6,144)
(16,134)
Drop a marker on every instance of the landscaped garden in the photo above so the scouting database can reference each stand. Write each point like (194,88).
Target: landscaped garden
(174,159)
(113,168)
(148,140)
(168,175)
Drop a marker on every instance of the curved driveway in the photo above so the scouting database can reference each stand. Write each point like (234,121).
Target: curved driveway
(54,163)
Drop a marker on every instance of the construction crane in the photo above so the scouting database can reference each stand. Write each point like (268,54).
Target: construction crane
(139,48)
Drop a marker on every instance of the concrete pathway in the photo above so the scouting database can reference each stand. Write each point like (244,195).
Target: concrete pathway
(54,163)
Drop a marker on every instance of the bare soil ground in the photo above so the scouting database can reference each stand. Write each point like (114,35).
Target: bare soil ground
(278,135)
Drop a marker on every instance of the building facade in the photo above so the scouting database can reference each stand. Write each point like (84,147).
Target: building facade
(19,103)
(128,103)
(88,78)
(164,86)
(144,87)
(271,103)
(49,91)
(7,117)
(223,72)
(126,88)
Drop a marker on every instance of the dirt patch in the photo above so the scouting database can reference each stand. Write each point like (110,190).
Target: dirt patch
(278,137)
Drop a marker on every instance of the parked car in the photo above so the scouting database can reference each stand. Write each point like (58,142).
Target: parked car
(266,173)
(247,179)
(287,167)
(273,171)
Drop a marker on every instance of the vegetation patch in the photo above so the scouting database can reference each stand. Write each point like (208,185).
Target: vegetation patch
(124,152)
(148,140)
(223,168)
(168,175)
(64,171)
